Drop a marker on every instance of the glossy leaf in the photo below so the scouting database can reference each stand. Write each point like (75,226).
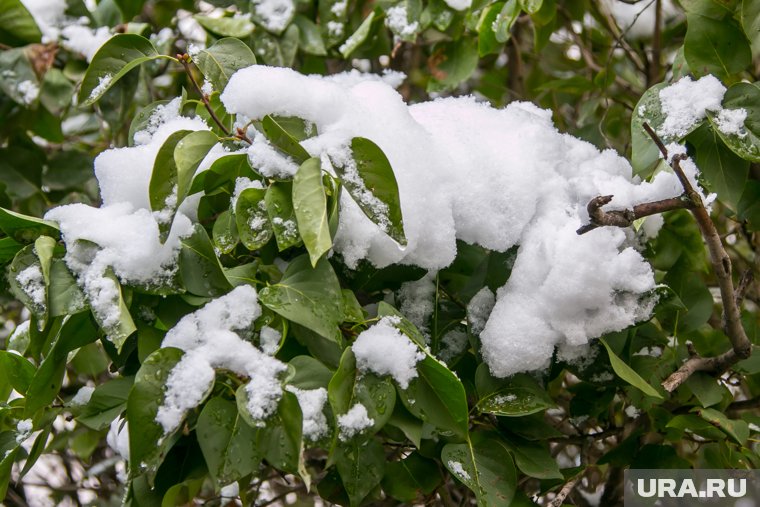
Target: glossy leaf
(628,374)
(252,219)
(222,59)
(310,206)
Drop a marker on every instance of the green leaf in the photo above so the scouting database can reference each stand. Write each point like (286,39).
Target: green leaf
(147,443)
(361,467)
(225,170)
(9,247)
(372,184)
(452,63)
(76,332)
(26,283)
(222,59)
(64,295)
(746,144)
(282,216)
(120,54)
(225,232)
(199,267)
(284,140)
(487,42)
(531,6)
(705,388)
(506,20)
(309,373)
(715,46)
(407,479)
(106,403)
(20,372)
(228,443)
(627,373)
(737,429)
(280,441)
(485,466)
(17,26)
(252,219)
(349,386)
(331,11)
(8,450)
(237,27)
(308,296)
(644,153)
(125,326)
(750,19)
(359,37)
(310,206)
(310,38)
(188,155)
(521,396)
(26,229)
(725,173)
(130,8)
(141,119)
(533,458)
(163,189)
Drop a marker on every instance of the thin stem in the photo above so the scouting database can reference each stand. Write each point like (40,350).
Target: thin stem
(185,61)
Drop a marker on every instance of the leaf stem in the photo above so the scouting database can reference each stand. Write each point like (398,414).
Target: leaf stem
(185,61)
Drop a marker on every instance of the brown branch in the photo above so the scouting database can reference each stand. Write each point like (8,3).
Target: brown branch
(721,263)
(749,404)
(566,489)
(626,217)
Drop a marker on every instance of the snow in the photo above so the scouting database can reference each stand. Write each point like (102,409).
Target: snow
(312,402)
(492,177)
(459,5)
(82,397)
(479,309)
(118,437)
(33,284)
(458,470)
(269,339)
(211,339)
(124,231)
(354,422)
(23,429)
(274,14)
(686,102)
(731,121)
(243,183)
(103,83)
(632,412)
(29,91)
(268,161)
(453,343)
(83,40)
(48,14)
(417,299)
(382,349)
(397,19)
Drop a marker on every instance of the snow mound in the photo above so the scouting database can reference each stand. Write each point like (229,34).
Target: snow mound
(494,177)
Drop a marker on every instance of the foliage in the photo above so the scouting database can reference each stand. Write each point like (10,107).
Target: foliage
(455,434)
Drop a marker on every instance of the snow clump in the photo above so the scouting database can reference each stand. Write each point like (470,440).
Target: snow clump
(210,338)
(354,422)
(382,349)
(494,177)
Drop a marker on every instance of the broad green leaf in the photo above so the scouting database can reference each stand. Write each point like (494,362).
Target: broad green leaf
(106,403)
(505,20)
(750,20)
(628,374)
(405,480)
(9,448)
(199,267)
(308,296)
(725,173)
(644,153)
(534,459)
(737,429)
(9,247)
(283,139)
(715,46)
(310,38)
(487,41)
(222,59)
(746,144)
(352,310)
(17,26)
(521,396)
(279,204)
(451,63)
(26,283)
(253,223)
(130,8)
(163,189)
(237,27)
(310,206)
(531,6)
(332,13)
(26,229)
(125,326)
(148,444)
(281,440)
(64,295)
(77,331)
(361,467)
(228,443)
(359,37)
(225,232)
(484,465)
(120,54)
(223,171)
(692,423)
(706,389)
(369,179)
(188,155)
(18,370)
(309,373)
(18,76)
(349,386)
(277,51)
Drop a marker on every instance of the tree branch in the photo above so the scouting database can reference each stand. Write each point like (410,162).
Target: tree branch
(741,347)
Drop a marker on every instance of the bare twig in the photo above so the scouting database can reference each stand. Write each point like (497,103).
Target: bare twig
(566,489)
(626,217)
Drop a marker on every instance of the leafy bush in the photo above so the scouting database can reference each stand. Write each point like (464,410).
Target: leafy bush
(282,281)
